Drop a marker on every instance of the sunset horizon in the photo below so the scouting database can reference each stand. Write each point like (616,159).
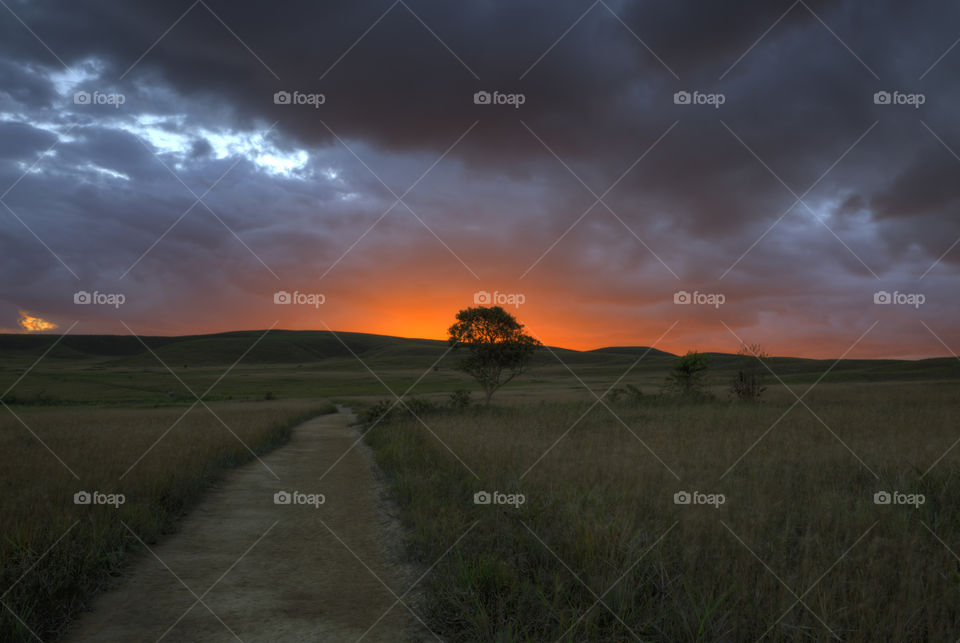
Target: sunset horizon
(669,339)
(489,320)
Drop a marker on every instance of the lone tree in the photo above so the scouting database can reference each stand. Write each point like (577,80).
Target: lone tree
(687,373)
(498,349)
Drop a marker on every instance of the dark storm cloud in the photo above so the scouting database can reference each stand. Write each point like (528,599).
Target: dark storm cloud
(927,185)
(23,85)
(599,90)
(21,140)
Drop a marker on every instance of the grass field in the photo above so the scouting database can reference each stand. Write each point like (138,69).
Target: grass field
(598,551)
(108,370)
(56,554)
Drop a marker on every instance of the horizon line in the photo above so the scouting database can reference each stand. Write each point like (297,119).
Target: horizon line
(429,339)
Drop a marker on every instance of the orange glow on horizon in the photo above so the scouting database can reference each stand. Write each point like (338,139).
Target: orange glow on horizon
(578,331)
(421,310)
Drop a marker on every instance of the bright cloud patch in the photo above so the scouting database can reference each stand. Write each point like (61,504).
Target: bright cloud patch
(33,324)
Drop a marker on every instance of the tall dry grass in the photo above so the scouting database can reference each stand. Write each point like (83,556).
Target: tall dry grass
(600,551)
(55,554)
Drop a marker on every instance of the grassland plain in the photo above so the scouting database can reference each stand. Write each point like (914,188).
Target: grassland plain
(56,554)
(598,500)
(100,370)
(600,551)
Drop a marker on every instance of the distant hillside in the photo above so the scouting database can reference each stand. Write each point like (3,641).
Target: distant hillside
(281,347)
(277,347)
(634,351)
(306,347)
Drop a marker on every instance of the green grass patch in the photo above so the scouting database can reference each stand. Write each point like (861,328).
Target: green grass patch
(599,518)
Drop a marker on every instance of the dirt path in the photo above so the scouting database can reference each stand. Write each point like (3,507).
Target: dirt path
(296,581)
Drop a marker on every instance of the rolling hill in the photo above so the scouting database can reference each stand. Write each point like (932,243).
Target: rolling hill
(349,352)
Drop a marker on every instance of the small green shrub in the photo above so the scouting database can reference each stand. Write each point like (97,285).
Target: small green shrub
(460,399)
(686,375)
(386,411)
(629,393)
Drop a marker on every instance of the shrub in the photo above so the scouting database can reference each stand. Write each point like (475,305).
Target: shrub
(417,406)
(460,399)
(379,412)
(385,411)
(747,385)
(628,393)
(686,376)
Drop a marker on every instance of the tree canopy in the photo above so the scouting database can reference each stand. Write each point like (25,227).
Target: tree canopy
(498,349)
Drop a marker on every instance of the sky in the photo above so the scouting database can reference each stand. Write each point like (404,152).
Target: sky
(689,175)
